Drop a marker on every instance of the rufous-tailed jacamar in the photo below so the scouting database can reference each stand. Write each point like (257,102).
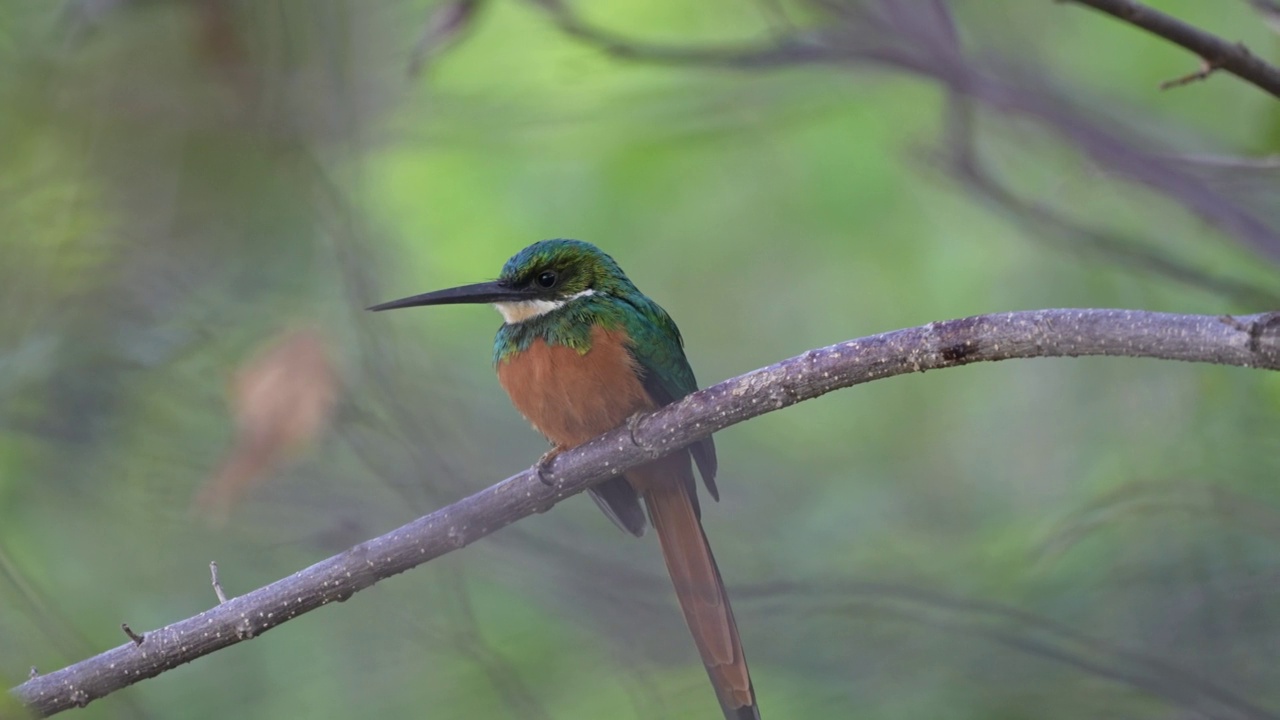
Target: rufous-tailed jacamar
(581,351)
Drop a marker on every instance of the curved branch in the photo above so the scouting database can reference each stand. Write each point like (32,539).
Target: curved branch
(1250,341)
(1217,53)
(806,47)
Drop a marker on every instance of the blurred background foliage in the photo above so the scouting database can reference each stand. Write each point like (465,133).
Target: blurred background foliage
(198,198)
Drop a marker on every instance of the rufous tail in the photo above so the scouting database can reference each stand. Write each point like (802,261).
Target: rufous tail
(697,583)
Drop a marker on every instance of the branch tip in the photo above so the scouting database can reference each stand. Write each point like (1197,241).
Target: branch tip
(217,586)
(1207,68)
(1218,53)
(135,637)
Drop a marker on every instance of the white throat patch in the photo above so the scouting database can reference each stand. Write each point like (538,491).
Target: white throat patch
(518,312)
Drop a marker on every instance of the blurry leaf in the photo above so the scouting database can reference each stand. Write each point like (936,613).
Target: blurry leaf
(281,399)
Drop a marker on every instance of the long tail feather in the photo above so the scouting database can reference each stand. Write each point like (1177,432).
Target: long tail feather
(697,582)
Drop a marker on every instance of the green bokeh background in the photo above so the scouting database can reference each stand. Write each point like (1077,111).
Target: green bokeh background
(181,181)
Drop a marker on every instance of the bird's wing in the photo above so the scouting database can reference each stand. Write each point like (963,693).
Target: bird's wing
(658,349)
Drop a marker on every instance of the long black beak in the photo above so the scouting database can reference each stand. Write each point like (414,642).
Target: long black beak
(479,293)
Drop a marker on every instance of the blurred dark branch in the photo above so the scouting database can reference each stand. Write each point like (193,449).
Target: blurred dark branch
(1266,7)
(1268,162)
(1043,223)
(1246,341)
(959,157)
(1126,154)
(854,606)
(1192,502)
(1017,629)
(446,25)
(856,35)
(788,50)
(814,45)
(1217,53)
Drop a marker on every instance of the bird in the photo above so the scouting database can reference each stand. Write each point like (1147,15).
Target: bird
(582,351)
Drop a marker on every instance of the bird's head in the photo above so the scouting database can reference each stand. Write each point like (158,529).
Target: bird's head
(541,278)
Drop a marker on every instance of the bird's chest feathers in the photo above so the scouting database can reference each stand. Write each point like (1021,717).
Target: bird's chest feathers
(572,396)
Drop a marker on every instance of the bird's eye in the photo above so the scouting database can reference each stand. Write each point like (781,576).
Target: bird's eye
(547,279)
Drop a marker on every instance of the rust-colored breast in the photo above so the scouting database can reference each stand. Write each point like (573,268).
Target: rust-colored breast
(571,397)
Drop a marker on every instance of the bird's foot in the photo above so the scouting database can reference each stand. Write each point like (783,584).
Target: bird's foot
(633,424)
(543,466)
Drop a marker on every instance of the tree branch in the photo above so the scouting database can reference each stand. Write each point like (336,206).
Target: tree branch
(816,47)
(920,38)
(1217,53)
(1249,341)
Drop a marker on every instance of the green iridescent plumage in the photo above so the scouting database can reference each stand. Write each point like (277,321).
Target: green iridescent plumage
(594,291)
(590,289)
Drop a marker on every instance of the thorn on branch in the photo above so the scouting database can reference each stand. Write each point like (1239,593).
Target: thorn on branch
(1231,322)
(135,637)
(1207,68)
(217,586)
(33,674)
